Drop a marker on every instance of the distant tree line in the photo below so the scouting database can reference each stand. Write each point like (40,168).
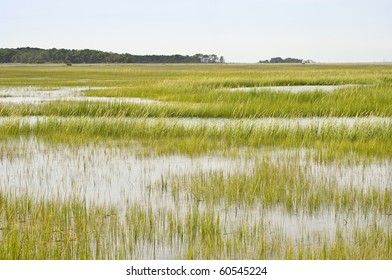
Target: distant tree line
(36,55)
(285,60)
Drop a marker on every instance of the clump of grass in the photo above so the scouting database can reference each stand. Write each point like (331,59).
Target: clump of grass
(284,183)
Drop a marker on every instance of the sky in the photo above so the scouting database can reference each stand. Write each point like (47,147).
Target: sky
(241,31)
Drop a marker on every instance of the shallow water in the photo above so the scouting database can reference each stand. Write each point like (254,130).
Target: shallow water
(33,95)
(374,175)
(102,174)
(295,89)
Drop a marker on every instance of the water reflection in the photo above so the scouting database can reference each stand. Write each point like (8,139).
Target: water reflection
(33,95)
(100,173)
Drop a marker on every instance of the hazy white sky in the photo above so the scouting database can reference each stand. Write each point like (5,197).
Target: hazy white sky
(241,31)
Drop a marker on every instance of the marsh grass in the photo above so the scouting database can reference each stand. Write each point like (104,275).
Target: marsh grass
(349,102)
(213,76)
(169,137)
(203,91)
(34,228)
(287,185)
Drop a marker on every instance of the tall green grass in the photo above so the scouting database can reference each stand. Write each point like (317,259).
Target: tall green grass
(368,101)
(366,139)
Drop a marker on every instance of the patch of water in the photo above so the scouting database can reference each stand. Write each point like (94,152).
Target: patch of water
(296,89)
(33,95)
(278,219)
(373,175)
(359,173)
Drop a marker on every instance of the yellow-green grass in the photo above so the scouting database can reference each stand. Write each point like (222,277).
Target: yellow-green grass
(215,76)
(33,228)
(366,139)
(284,183)
(349,102)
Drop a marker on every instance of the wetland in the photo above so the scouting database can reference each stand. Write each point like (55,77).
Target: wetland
(196,162)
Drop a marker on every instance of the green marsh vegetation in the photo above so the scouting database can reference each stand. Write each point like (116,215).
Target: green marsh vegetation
(203,91)
(367,139)
(236,190)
